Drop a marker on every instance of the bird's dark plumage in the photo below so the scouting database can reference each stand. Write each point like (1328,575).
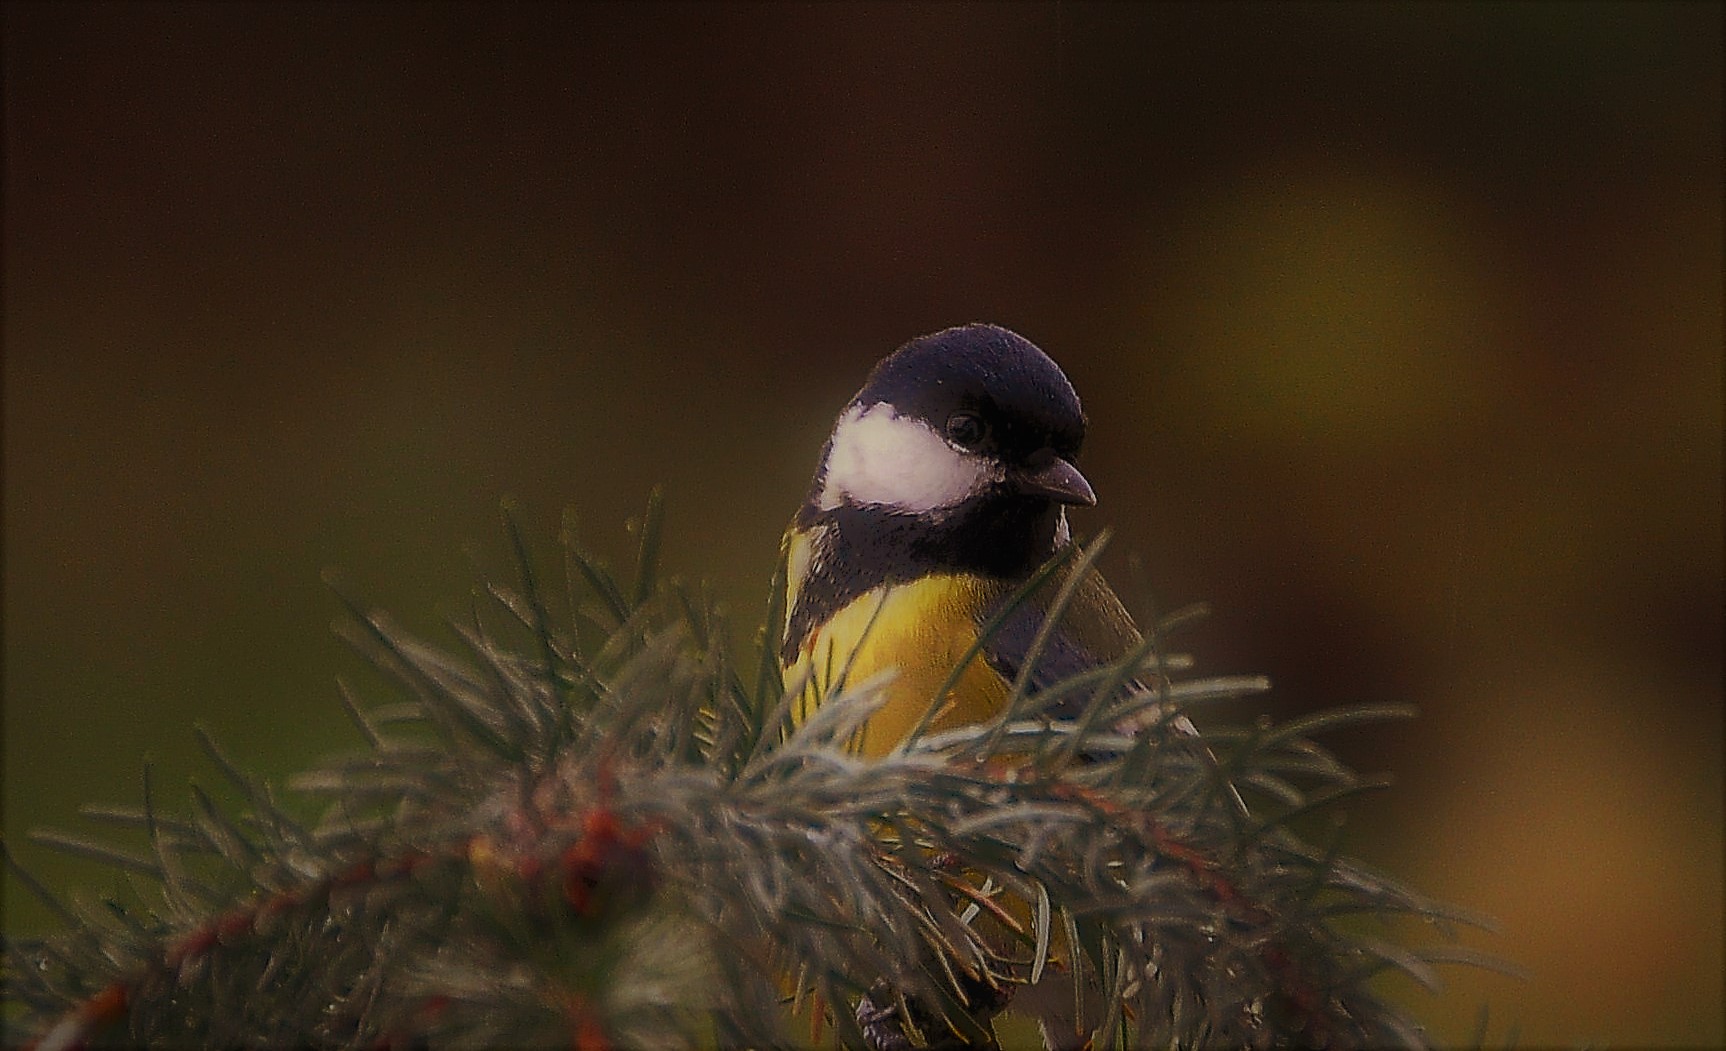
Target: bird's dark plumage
(944,485)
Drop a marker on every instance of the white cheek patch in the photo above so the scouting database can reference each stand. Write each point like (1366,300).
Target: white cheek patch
(879,457)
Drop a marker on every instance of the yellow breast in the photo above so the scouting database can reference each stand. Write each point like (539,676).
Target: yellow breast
(921,629)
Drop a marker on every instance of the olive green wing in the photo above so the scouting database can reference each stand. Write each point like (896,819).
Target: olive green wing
(1095,629)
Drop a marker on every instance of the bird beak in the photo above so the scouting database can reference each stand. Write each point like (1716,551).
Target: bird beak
(1059,481)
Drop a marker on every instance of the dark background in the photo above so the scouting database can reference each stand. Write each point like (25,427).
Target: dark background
(1399,327)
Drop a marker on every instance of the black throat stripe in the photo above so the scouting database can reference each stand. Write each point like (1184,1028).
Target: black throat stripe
(859,549)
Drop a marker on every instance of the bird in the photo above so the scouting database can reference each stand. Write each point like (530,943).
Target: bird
(943,487)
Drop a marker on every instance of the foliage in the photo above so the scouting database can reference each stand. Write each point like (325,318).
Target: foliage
(599,828)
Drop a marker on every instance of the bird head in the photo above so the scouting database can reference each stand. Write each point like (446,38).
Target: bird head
(965,438)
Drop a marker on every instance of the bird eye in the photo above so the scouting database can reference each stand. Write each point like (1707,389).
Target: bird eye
(966,430)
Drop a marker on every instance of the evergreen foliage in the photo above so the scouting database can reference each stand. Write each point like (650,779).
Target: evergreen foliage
(598,828)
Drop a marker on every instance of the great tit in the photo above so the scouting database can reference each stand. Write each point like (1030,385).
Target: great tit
(944,485)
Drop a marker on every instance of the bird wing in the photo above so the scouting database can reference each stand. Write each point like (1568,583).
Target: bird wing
(1094,630)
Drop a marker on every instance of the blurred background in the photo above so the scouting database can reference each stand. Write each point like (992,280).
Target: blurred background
(1399,327)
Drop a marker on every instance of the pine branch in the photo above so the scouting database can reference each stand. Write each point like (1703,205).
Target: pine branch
(615,838)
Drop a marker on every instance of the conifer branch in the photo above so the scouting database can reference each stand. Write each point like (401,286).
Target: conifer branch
(592,839)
